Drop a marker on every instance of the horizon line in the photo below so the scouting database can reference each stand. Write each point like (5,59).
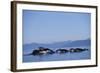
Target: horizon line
(55,41)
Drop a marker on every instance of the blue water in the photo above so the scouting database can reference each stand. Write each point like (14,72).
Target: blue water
(56,56)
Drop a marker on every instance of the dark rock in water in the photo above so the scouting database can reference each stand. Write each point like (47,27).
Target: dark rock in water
(42,51)
(61,51)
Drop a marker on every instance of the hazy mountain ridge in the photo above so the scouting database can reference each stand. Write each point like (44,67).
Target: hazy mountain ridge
(77,43)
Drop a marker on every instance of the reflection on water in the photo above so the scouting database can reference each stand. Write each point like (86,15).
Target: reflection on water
(57,57)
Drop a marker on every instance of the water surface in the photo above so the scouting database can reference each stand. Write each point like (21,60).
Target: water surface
(56,57)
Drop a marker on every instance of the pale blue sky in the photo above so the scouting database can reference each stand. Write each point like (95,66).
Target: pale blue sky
(48,27)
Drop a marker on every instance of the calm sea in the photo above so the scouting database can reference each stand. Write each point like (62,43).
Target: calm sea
(56,57)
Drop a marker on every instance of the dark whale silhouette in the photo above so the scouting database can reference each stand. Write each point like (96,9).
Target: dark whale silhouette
(77,50)
(42,51)
(61,51)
